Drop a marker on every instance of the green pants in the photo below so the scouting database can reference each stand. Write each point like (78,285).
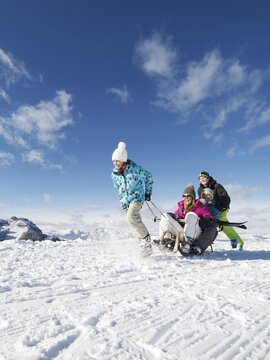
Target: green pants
(229,230)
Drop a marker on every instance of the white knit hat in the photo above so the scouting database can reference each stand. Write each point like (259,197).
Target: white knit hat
(120,154)
(209,192)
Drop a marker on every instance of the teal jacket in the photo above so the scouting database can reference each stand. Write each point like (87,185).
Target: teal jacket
(133,184)
(213,210)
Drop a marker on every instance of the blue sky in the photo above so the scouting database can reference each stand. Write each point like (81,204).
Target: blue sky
(184,83)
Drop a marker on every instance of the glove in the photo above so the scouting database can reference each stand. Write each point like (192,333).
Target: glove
(176,218)
(124,207)
(205,223)
(147,197)
(173,215)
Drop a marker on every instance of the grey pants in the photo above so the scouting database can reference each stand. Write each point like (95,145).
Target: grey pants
(206,238)
(134,219)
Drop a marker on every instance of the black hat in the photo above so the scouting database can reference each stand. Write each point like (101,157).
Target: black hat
(204,174)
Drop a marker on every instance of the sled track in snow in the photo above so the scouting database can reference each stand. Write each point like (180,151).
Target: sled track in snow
(88,302)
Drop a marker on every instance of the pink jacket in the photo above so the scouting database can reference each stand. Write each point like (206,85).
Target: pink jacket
(198,208)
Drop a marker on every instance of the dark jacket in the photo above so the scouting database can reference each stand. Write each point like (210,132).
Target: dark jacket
(221,199)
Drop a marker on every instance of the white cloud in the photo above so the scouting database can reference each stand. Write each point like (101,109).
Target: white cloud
(224,111)
(122,94)
(238,191)
(258,115)
(155,55)
(11,69)
(264,116)
(4,95)
(214,89)
(200,80)
(29,126)
(259,143)
(225,81)
(42,124)
(47,198)
(38,157)
(6,159)
(218,138)
(34,156)
(232,151)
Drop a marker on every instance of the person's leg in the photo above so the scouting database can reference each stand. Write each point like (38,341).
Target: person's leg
(206,238)
(192,228)
(134,219)
(192,231)
(230,232)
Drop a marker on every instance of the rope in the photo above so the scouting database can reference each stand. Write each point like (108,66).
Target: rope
(157,219)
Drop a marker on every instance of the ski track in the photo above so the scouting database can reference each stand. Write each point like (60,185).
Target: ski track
(93,299)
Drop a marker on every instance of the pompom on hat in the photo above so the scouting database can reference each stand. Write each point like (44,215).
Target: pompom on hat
(189,190)
(120,154)
(204,174)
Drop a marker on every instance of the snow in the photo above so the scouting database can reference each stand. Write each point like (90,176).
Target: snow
(93,296)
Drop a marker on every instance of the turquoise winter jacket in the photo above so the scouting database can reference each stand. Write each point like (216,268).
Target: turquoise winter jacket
(133,184)
(213,210)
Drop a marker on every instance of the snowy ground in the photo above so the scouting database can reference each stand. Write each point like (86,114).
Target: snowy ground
(94,297)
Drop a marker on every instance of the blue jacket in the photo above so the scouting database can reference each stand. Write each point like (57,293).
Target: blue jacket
(133,184)
(213,210)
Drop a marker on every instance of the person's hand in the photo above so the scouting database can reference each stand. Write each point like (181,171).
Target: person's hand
(147,197)
(175,217)
(205,223)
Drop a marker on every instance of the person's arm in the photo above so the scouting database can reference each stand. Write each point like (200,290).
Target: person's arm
(179,211)
(148,183)
(116,184)
(224,199)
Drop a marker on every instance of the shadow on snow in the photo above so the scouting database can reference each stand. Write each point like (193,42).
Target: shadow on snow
(233,255)
(239,255)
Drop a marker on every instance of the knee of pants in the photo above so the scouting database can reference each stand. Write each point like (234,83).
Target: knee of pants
(192,228)
(223,215)
(206,238)
(132,218)
(128,218)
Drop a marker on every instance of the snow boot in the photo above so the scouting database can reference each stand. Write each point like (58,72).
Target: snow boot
(241,245)
(196,250)
(146,246)
(234,243)
(185,248)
